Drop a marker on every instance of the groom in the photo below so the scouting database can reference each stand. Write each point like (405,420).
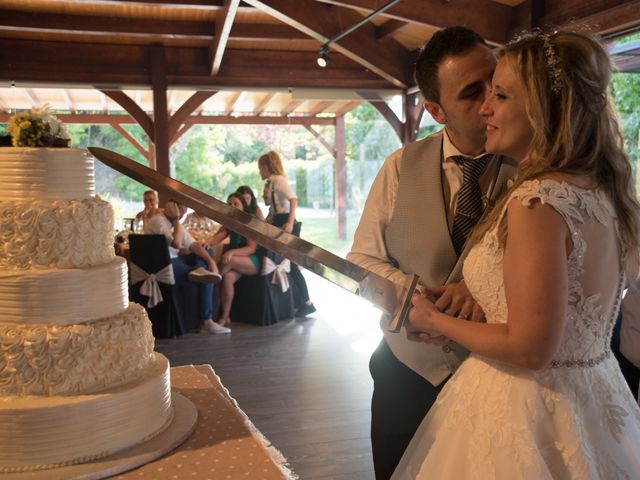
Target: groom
(420,209)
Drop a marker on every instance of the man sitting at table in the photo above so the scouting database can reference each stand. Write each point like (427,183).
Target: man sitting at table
(195,265)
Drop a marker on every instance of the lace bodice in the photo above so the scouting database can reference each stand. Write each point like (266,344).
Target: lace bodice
(593,299)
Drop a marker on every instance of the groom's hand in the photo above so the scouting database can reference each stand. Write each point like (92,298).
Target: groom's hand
(455,300)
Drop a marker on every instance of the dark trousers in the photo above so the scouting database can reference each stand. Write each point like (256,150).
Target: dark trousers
(298,284)
(401,399)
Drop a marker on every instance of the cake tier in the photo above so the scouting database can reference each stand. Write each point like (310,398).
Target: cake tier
(46,432)
(63,297)
(76,359)
(46,174)
(55,233)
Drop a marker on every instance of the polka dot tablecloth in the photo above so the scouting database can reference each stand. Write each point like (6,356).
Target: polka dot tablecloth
(225,444)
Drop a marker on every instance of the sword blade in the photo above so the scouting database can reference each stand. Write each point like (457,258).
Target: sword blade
(386,295)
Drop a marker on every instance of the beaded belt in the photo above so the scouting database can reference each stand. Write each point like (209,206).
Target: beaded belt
(592,362)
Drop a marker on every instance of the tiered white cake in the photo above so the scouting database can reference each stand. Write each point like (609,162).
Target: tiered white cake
(79,379)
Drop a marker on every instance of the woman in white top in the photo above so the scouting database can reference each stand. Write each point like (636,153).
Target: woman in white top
(282,202)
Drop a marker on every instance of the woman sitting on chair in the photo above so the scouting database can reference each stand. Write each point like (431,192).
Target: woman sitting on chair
(251,201)
(240,259)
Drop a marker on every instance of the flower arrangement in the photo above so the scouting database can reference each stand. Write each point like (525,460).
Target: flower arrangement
(38,127)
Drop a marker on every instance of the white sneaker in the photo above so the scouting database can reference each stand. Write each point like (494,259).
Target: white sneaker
(201,275)
(214,328)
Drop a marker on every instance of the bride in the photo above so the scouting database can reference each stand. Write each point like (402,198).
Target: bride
(541,396)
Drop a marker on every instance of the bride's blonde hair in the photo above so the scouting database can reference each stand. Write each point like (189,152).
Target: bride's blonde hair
(575,126)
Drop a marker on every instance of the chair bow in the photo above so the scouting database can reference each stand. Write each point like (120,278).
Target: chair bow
(150,287)
(280,271)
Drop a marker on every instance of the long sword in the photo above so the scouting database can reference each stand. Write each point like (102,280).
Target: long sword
(391,298)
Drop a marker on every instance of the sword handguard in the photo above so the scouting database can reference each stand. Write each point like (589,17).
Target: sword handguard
(409,288)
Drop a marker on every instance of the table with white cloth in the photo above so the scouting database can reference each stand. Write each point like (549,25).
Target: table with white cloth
(225,443)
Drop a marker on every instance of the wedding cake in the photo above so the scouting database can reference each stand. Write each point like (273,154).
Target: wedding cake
(79,379)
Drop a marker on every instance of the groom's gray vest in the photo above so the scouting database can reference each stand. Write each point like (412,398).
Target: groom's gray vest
(419,241)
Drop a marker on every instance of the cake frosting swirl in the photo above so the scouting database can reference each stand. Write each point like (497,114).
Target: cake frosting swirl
(55,233)
(68,360)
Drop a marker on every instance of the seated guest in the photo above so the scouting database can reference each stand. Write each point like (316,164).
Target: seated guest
(240,259)
(195,266)
(250,199)
(150,200)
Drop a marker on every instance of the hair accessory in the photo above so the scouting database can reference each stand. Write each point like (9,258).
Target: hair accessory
(553,65)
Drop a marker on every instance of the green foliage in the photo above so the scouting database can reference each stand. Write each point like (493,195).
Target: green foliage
(626,92)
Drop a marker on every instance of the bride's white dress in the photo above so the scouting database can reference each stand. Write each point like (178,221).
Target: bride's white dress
(576,419)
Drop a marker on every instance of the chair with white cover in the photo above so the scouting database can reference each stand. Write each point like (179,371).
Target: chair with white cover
(267,297)
(152,283)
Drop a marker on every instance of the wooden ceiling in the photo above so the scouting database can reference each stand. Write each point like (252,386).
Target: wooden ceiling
(253,51)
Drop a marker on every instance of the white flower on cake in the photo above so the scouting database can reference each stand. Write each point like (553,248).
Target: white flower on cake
(38,127)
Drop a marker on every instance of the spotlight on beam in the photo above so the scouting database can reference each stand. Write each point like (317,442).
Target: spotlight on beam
(323,58)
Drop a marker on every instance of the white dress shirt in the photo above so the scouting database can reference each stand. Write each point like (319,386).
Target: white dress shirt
(160,224)
(369,249)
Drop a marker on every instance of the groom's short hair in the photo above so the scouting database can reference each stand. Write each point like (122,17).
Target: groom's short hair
(445,43)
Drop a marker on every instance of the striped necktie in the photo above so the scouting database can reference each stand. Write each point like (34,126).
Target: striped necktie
(469,206)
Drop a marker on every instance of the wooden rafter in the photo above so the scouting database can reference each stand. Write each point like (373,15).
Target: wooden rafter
(346,108)
(230,102)
(132,109)
(290,107)
(389,28)
(260,107)
(132,140)
(186,109)
(387,59)
(33,99)
(69,100)
(496,18)
(318,136)
(224,22)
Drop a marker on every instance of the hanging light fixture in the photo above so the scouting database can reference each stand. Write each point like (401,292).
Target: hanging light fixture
(323,57)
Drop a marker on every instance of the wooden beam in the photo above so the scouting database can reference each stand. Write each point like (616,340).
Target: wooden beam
(347,108)
(69,101)
(414,110)
(230,102)
(100,119)
(390,117)
(389,27)
(186,109)
(132,109)
(171,101)
(492,23)
(132,140)
(260,107)
(318,136)
(341,178)
(184,129)
(605,17)
(32,97)
(388,59)
(127,67)
(290,107)
(160,114)
(262,120)
(224,22)
(319,107)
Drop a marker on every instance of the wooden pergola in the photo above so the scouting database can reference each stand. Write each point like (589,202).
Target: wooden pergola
(255,59)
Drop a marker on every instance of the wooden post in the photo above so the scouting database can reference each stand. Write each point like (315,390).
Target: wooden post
(160,112)
(341,178)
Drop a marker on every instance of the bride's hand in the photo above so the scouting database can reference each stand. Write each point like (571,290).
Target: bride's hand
(420,324)
(455,300)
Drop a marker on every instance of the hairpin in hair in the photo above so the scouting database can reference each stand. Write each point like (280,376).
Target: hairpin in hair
(553,65)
